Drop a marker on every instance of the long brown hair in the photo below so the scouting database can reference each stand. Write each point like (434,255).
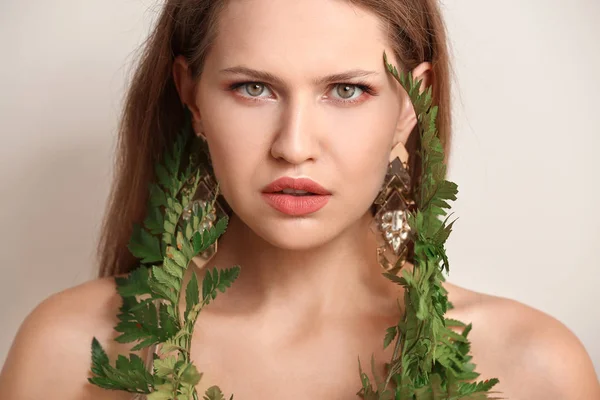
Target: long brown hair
(153,112)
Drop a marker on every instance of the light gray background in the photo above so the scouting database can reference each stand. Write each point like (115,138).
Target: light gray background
(527,134)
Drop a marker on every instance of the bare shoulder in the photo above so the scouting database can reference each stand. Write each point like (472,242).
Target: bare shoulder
(51,354)
(534,355)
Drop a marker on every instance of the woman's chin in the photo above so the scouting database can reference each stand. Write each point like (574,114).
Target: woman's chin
(297,242)
(297,239)
(289,233)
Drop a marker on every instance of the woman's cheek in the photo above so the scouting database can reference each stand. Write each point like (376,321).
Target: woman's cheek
(363,169)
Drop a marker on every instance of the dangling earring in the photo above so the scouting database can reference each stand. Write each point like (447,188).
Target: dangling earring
(390,223)
(206,196)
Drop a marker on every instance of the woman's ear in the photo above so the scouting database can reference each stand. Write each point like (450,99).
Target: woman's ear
(407,118)
(186,88)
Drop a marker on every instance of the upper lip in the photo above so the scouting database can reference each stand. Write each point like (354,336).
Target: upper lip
(306,184)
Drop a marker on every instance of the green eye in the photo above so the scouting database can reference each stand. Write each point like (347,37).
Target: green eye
(347,91)
(254,89)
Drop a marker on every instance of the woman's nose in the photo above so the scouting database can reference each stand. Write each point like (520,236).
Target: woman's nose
(297,139)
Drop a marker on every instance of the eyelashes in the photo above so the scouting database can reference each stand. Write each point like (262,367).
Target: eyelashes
(362,86)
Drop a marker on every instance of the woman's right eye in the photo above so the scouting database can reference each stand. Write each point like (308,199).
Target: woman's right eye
(251,90)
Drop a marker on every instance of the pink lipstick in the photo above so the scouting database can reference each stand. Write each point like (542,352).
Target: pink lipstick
(300,196)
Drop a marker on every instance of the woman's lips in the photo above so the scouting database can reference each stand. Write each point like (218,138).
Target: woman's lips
(295,205)
(287,182)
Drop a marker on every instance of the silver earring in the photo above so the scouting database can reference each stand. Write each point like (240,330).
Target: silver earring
(204,197)
(390,224)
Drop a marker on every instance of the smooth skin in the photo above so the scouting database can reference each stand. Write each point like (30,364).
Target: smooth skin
(310,298)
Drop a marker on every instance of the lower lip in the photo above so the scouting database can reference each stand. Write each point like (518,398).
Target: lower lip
(296,205)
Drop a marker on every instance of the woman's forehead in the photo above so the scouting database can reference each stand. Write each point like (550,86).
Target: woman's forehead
(324,35)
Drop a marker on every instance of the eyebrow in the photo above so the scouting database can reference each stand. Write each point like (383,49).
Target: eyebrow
(267,76)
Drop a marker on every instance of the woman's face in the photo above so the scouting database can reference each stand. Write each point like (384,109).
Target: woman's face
(294,122)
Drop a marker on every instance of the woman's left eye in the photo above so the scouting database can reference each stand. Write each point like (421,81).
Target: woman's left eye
(345,92)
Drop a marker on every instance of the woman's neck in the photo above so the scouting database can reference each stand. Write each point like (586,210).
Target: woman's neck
(341,277)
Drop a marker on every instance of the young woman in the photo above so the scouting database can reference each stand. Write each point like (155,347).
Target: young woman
(289,95)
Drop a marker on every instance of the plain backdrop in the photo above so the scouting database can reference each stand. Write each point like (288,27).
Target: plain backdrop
(526,140)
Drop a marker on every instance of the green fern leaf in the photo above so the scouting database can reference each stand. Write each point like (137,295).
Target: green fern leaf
(144,245)
(192,295)
(213,393)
